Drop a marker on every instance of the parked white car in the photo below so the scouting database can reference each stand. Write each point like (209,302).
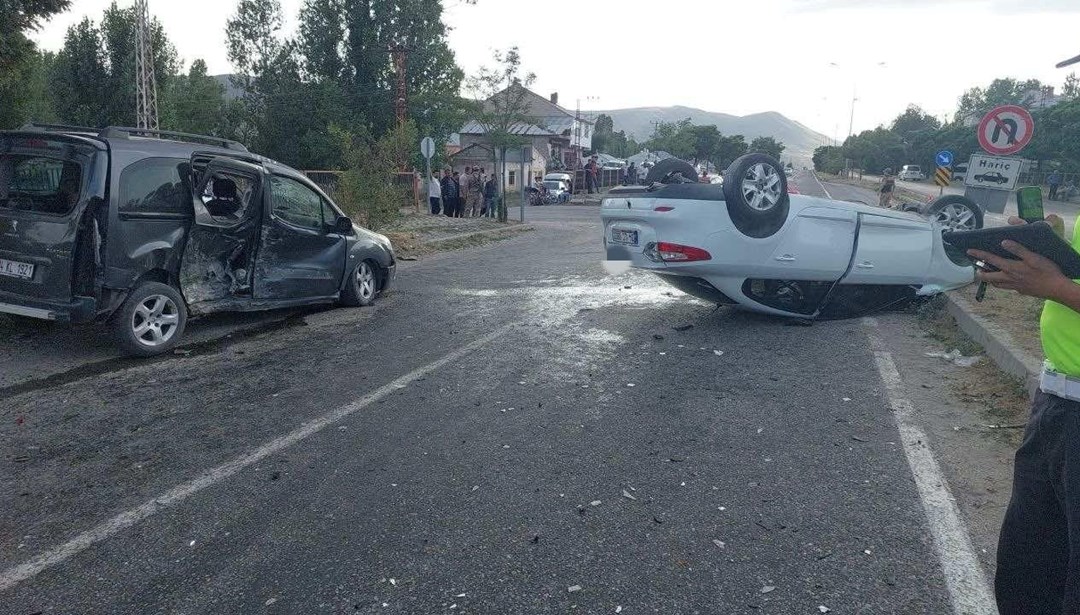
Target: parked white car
(749,243)
(911,172)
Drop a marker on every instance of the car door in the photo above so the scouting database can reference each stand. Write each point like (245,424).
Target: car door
(892,250)
(215,270)
(300,255)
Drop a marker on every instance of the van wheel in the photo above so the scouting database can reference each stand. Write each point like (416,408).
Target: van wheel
(151,321)
(363,286)
(669,167)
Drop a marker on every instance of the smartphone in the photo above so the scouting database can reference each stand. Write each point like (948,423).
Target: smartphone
(1029,204)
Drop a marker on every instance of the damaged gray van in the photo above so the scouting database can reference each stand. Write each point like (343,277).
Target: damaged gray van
(140,229)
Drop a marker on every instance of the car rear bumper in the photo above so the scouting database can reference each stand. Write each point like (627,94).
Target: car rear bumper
(80,310)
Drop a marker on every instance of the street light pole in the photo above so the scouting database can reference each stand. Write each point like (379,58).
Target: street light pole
(851,122)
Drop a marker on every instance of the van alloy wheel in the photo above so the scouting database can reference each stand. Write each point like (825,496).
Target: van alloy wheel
(155,321)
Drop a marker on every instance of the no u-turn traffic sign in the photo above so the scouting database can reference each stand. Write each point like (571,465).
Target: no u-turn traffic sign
(1006,130)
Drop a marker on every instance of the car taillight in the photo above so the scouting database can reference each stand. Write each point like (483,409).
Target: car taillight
(663,208)
(675,253)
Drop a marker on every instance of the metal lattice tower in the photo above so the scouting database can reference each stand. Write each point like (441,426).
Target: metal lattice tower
(146,105)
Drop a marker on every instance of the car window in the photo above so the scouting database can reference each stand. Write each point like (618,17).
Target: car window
(295,203)
(156,185)
(41,184)
(227,196)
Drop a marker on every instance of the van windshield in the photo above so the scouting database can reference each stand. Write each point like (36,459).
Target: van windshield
(40,175)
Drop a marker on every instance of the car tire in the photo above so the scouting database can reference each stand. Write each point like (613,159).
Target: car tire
(756,193)
(363,285)
(956,213)
(151,320)
(666,167)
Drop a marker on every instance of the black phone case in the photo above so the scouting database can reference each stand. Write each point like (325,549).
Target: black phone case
(1038,237)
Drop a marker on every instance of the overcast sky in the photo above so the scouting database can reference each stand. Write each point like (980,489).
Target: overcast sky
(728,56)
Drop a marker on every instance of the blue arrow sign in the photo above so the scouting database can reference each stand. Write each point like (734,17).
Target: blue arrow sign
(944,158)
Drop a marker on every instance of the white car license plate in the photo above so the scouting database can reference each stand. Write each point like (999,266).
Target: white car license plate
(624,237)
(16,269)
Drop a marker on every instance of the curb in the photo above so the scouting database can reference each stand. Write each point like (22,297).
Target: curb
(997,343)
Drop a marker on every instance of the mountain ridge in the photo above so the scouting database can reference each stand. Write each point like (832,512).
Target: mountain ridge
(799,140)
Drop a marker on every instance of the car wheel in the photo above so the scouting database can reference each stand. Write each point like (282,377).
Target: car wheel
(363,285)
(956,213)
(756,192)
(151,320)
(666,167)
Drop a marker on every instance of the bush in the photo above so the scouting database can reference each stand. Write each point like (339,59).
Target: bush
(367,191)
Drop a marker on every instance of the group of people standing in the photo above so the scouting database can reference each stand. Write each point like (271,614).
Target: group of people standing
(462,195)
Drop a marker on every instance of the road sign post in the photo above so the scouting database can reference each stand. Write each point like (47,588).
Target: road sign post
(1006,130)
(427,148)
(943,177)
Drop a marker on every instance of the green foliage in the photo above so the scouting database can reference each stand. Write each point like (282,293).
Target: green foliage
(367,192)
(197,101)
(502,105)
(767,145)
(828,159)
(606,140)
(21,66)
(92,82)
(976,102)
(1071,89)
(698,143)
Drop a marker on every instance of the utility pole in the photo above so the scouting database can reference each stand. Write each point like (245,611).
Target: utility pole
(399,58)
(146,105)
(851,122)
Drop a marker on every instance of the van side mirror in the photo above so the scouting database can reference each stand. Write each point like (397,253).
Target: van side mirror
(343,225)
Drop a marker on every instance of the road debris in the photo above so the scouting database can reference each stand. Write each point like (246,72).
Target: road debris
(476,487)
(768,589)
(718,353)
(846,399)
(657,337)
(868,552)
(270,601)
(393,581)
(461,595)
(823,609)
(1015,426)
(618,609)
(626,494)
(631,384)
(683,327)
(573,588)
(955,357)
(719,543)
(858,439)
(191,544)
(596,503)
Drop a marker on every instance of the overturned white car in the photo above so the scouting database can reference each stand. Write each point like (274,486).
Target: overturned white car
(751,244)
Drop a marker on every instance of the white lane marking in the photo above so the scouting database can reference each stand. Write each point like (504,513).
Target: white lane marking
(968,589)
(58,555)
(823,188)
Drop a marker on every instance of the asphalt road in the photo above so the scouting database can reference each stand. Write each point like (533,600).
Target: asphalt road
(512,430)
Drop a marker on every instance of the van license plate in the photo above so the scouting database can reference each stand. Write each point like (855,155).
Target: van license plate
(16,269)
(624,237)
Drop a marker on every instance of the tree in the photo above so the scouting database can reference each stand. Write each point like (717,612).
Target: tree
(348,42)
(706,142)
(828,159)
(603,134)
(19,59)
(197,101)
(767,145)
(93,79)
(976,102)
(80,67)
(729,148)
(502,109)
(1071,89)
